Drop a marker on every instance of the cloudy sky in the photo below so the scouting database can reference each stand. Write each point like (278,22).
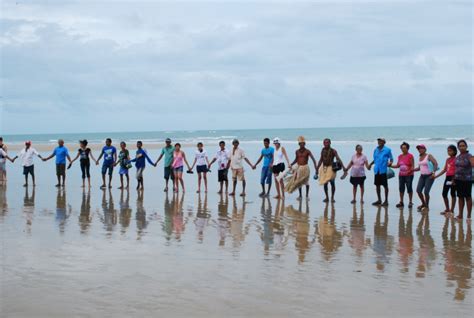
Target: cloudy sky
(166,65)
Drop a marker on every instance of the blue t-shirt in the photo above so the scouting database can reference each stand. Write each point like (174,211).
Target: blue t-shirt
(109,152)
(267,154)
(381,158)
(141,158)
(61,153)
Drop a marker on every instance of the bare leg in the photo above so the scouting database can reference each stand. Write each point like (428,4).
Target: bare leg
(244,183)
(205,181)
(362,189)
(307,191)
(461,207)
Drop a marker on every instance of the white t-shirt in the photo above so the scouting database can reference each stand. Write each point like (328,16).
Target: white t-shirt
(201,158)
(222,158)
(27,156)
(237,158)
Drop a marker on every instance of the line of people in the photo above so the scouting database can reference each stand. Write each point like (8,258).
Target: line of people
(276,165)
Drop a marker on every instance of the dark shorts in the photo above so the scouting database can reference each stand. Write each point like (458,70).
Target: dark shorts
(380,179)
(266,176)
(425,182)
(448,186)
(405,182)
(463,188)
(109,167)
(61,169)
(169,173)
(201,169)
(29,170)
(222,175)
(279,168)
(355,181)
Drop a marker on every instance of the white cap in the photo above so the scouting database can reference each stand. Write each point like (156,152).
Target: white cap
(276,140)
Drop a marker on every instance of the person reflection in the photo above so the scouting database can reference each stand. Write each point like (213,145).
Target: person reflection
(140,216)
(125,210)
(168,220)
(357,240)
(63,210)
(458,257)
(237,229)
(202,217)
(85,218)
(426,251)
(109,217)
(178,223)
(3,202)
(223,222)
(300,228)
(29,208)
(327,233)
(405,240)
(266,231)
(383,243)
(280,239)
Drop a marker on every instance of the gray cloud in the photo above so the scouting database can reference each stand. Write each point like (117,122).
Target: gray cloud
(243,65)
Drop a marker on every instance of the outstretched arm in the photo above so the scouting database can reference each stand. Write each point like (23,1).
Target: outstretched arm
(258,161)
(186,160)
(159,158)
(316,166)
(194,162)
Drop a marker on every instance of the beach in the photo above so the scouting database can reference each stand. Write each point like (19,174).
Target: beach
(75,252)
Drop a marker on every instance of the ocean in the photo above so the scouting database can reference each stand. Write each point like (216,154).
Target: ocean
(425,134)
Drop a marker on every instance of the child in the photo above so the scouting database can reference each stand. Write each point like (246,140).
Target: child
(202,162)
(83,154)
(123,160)
(449,169)
(109,153)
(179,158)
(358,164)
(266,174)
(222,157)
(140,163)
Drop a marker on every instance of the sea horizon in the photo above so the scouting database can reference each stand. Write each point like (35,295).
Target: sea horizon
(425,133)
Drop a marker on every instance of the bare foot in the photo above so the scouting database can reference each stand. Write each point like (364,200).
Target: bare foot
(242,194)
(232,194)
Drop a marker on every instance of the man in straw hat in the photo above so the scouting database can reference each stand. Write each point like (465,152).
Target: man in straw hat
(301,176)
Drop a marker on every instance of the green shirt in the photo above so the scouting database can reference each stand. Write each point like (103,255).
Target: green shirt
(168,152)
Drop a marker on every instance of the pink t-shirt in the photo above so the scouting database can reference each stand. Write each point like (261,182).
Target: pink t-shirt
(450,166)
(405,163)
(358,169)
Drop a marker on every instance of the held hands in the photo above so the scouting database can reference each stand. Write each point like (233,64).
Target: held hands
(97,162)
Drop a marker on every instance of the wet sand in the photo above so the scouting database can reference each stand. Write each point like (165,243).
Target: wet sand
(98,253)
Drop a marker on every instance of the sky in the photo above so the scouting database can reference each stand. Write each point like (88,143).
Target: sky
(97,66)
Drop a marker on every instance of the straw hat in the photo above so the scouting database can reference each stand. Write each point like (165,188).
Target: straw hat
(301,139)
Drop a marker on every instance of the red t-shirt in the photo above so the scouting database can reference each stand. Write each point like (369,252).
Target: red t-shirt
(406,164)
